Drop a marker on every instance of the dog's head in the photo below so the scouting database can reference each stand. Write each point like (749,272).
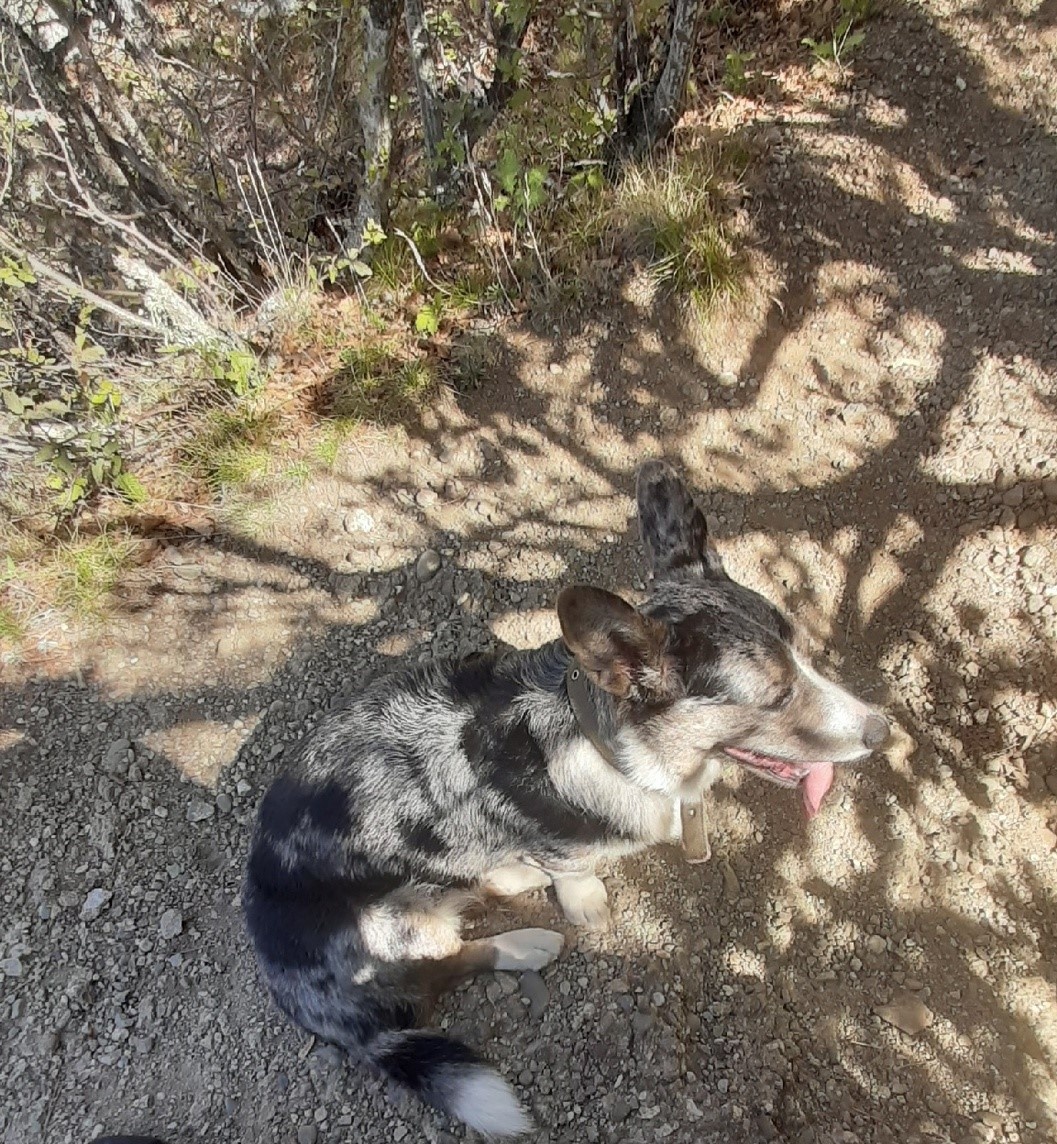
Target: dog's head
(708,668)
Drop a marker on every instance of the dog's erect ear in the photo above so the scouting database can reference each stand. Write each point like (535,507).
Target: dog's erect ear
(623,651)
(673,528)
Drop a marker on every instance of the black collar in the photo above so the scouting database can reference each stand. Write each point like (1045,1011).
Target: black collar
(585,708)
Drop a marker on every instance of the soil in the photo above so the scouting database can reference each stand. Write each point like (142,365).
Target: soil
(873,428)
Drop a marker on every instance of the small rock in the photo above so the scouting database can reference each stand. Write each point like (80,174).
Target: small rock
(1013,497)
(554,367)
(94,904)
(425,498)
(224,803)
(620,1110)
(907,1013)
(307,1134)
(876,944)
(534,990)
(115,761)
(359,520)
(1051,782)
(11,967)
(427,565)
(1028,518)
(730,880)
(1032,556)
(1049,489)
(171,924)
(198,810)
(344,586)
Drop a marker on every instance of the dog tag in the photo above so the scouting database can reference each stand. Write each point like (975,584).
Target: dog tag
(695,831)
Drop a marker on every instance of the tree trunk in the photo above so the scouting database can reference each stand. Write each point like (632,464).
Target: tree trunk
(648,107)
(430,100)
(381,19)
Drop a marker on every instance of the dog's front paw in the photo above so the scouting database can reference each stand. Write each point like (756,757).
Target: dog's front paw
(583,900)
(525,949)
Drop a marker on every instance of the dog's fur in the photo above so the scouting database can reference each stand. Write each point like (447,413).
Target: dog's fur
(453,777)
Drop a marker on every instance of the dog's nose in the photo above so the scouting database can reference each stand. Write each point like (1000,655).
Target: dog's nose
(875,733)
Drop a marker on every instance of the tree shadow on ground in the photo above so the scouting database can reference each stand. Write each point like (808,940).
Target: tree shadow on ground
(761,959)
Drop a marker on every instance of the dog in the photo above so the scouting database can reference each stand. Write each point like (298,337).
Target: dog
(509,773)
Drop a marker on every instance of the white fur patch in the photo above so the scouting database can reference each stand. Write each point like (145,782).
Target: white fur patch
(586,780)
(517,878)
(582,898)
(485,1102)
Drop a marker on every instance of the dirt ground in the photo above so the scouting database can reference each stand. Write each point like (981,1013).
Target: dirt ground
(873,429)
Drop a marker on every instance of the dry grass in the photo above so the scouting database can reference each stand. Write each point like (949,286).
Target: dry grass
(673,212)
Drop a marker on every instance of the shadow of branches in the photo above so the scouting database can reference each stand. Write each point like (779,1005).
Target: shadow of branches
(870,488)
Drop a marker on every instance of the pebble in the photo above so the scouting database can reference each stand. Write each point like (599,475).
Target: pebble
(11,967)
(1014,496)
(427,565)
(94,904)
(224,803)
(359,520)
(425,498)
(307,1134)
(198,810)
(534,990)
(907,1013)
(876,944)
(171,924)
(116,759)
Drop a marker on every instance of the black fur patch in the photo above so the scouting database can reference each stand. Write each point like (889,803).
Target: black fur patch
(417,1060)
(291,803)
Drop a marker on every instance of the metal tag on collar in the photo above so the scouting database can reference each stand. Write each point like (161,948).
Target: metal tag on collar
(696,846)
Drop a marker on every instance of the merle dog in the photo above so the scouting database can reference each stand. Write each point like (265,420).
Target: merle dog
(514,772)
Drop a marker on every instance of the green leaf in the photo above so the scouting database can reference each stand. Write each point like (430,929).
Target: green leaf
(14,403)
(427,320)
(507,171)
(131,488)
(360,268)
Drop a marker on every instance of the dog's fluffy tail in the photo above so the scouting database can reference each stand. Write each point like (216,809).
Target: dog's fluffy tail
(451,1077)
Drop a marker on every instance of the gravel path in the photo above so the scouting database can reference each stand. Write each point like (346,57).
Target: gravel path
(879,453)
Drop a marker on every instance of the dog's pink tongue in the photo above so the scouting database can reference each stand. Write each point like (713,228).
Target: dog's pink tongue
(818,780)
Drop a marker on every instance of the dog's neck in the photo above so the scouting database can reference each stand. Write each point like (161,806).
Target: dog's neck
(593,709)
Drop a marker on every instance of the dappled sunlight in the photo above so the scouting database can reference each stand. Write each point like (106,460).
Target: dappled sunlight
(201,749)
(871,429)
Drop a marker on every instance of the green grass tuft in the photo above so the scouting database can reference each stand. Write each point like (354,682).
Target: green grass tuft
(374,384)
(232,450)
(87,569)
(11,630)
(672,212)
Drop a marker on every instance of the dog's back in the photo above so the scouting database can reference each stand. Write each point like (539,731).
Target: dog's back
(398,802)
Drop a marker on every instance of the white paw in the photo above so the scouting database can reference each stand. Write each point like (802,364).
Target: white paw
(583,900)
(527,948)
(517,878)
